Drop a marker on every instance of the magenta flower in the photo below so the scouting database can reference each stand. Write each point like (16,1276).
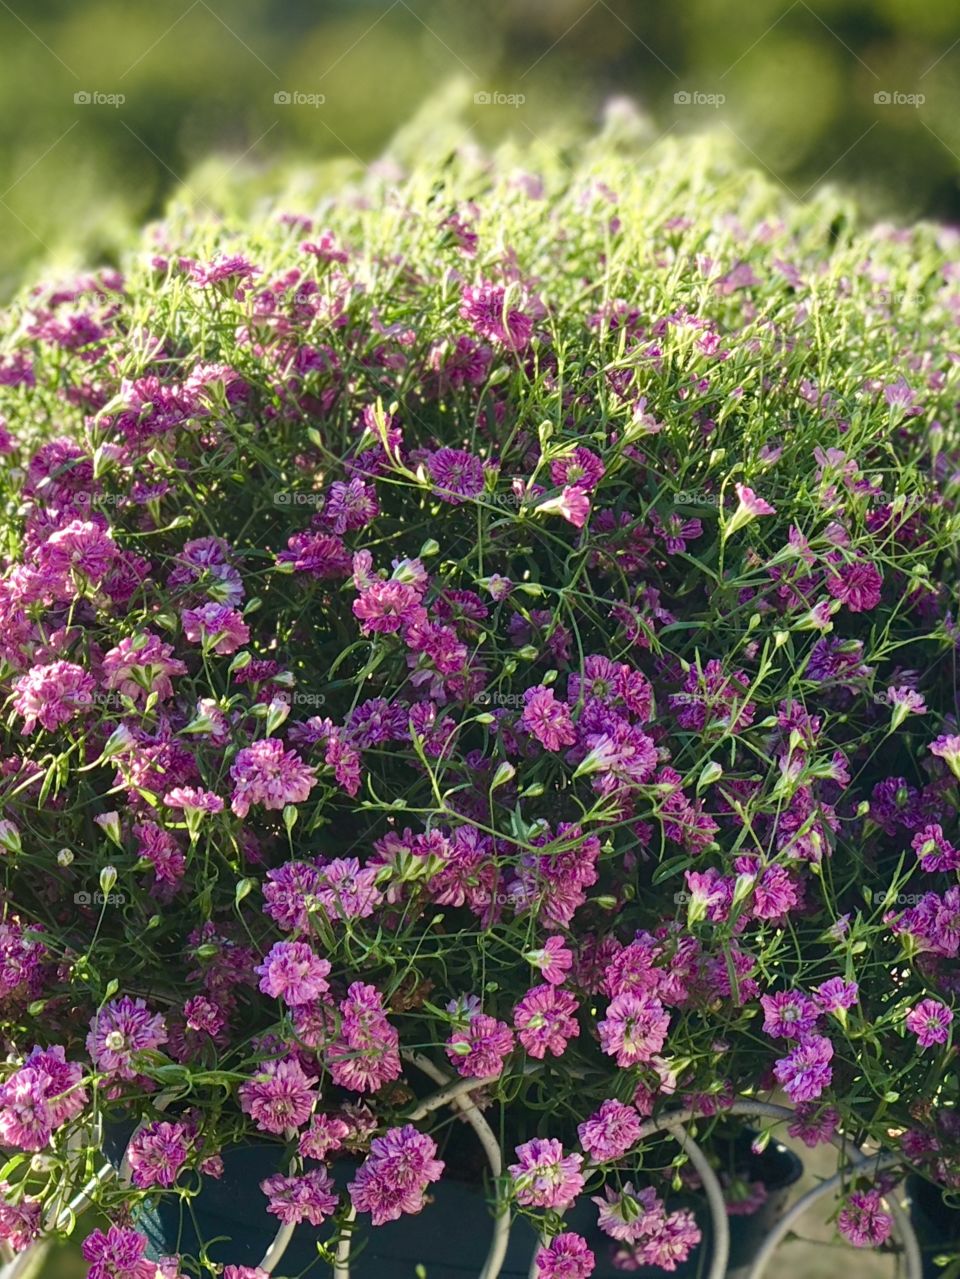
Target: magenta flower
(544,1177)
(480,1047)
(836,995)
(806,1071)
(266,774)
(788,1014)
(488,308)
(220,629)
(947,747)
(813,1124)
(119,1031)
(79,547)
(456,475)
(547,719)
(393,1179)
(140,665)
(118,1254)
(566,1256)
(858,585)
(365,1056)
(582,469)
(52,695)
(157,1153)
(749,507)
(191,799)
(936,853)
(611,1132)
(862,1221)
(573,504)
(308,1197)
(545,1020)
(634,1029)
(279,1097)
(554,959)
(325,1135)
(293,973)
(930,1021)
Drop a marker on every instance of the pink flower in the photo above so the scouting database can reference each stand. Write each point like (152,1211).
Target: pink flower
(554,959)
(140,665)
(19,1222)
(456,475)
(566,1256)
(325,1134)
(814,1124)
(930,1022)
(545,1019)
(610,1132)
(857,585)
(156,1153)
(191,799)
(862,1221)
(43,1095)
(118,1254)
(547,719)
(79,547)
(52,695)
(788,1014)
(119,1031)
(753,504)
(480,1047)
(309,1197)
(573,504)
(366,1054)
(279,1097)
(394,1177)
(220,629)
(266,774)
(487,307)
(544,1177)
(635,1028)
(293,973)
(581,468)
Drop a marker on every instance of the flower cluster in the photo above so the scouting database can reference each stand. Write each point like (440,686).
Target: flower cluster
(522,660)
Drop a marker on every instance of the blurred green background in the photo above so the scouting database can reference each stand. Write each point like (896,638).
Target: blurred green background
(799,83)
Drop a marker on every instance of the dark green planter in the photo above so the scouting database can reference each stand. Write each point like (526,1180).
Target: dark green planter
(937,1226)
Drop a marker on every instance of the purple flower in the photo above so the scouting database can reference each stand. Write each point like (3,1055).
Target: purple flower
(930,1021)
(394,1177)
(308,1197)
(545,1019)
(788,1014)
(634,1029)
(157,1153)
(52,695)
(581,468)
(480,1047)
(118,1254)
(220,629)
(456,475)
(547,719)
(862,1221)
(544,1177)
(566,1256)
(293,973)
(487,307)
(279,1097)
(806,1071)
(266,774)
(119,1031)
(858,585)
(611,1132)
(836,995)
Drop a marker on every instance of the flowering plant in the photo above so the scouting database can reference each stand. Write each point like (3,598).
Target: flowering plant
(499,634)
